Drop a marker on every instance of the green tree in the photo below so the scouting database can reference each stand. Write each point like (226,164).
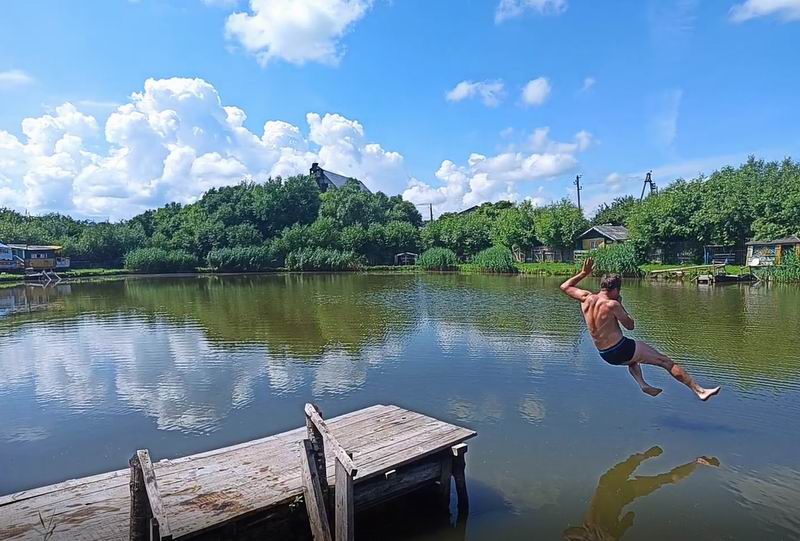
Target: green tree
(617,212)
(559,224)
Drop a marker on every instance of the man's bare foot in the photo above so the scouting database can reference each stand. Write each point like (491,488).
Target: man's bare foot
(707,461)
(652,391)
(705,394)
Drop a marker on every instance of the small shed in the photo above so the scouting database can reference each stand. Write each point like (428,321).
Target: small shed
(405,258)
(600,236)
(765,253)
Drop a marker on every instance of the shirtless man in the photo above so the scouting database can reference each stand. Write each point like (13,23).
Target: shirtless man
(604,312)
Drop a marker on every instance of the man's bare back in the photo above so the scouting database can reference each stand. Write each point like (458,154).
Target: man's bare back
(604,313)
(602,316)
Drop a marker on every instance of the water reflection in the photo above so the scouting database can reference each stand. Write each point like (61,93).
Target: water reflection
(616,489)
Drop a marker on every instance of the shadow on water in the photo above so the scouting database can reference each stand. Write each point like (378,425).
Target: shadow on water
(616,489)
(420,516)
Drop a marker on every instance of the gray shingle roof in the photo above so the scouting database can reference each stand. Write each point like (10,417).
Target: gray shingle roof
(614,232)
(340,180)
(792,239)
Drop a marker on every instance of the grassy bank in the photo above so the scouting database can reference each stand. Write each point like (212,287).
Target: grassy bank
(731,269)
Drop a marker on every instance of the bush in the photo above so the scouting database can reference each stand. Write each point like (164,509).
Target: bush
(617,258)
(322,259)
(242,259)
(440,259)
(160,260)
(787,271)
(495,259)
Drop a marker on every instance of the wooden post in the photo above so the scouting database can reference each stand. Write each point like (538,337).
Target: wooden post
(444,479)
(459,466)
(148,520)
(140,508)
(312,492)
(344,503)
(318,448)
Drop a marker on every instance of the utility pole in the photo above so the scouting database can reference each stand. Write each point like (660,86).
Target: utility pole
(430,207)
(648,179)
(577,184)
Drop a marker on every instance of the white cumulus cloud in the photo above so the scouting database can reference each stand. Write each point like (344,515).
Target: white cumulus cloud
(14,78)
(508,9)
(171,142)
(492,178)
(489,92)
(297,31)
(536,91)
(787,10)
(588,83)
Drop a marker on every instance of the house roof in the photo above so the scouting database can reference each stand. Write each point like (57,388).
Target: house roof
(340,180)
(34,247)
(611,232)
(792,239)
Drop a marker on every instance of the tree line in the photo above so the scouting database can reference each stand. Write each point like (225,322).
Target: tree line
(261,225)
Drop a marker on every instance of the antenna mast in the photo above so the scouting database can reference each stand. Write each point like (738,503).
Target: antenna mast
(648,179)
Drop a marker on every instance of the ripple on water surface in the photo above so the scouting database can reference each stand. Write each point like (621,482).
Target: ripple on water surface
(182,365)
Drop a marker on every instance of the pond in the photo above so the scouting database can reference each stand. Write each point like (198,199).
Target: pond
(567,445)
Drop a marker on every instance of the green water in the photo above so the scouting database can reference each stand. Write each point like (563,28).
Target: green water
(567,446)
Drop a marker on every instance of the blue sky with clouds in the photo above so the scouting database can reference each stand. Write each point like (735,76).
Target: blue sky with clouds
(111,107)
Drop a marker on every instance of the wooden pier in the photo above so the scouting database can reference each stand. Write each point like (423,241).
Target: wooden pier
(334,468)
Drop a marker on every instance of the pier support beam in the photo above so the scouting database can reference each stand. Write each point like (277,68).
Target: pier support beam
(445,479)
(344,504)
(459,473)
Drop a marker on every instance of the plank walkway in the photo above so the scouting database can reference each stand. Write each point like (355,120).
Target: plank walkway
(207,490)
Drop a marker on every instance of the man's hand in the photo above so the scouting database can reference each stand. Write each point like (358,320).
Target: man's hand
(569,287)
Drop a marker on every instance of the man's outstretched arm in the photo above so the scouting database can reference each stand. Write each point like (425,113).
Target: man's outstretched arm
(570,286)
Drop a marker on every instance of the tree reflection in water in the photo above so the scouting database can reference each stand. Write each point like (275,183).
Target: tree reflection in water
(616,489)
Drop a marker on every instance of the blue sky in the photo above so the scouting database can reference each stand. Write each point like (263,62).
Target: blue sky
(450,103)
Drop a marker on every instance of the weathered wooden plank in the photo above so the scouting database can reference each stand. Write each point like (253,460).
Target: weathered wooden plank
(154,496)
(317,443)
(86,496)
(206,490)
(335,446)
(312,493)
(345,505)
(140,510)
(379,489)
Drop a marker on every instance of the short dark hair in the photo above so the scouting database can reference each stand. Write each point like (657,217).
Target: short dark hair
(611,281)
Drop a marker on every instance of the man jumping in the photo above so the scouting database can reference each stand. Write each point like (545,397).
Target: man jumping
(604,312)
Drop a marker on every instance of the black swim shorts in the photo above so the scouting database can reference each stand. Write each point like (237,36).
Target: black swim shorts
(620,353)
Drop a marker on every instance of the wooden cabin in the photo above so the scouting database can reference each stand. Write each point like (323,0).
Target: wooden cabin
(765,253)
(601,236)
(40,257)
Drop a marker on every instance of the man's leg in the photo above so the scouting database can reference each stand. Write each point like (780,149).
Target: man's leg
(646,354)
(636,372)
